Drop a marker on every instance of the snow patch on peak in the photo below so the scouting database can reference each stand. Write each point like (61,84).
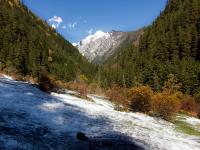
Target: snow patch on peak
(75,44)
(100,33)
(98,44)
(92,37)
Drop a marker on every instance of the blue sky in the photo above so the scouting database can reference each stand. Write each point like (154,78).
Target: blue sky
(75,19)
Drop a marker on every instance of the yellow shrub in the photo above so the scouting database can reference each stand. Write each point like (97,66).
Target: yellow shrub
(117,95)
(165,105)
(72,86)
(80,85)
(140,98)
(189,105)
(82,89)
(94,88)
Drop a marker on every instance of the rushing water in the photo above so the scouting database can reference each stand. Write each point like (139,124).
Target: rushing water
(32,119)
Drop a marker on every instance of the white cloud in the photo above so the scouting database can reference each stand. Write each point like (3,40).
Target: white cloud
(72,25)
(90,31)
(55,21)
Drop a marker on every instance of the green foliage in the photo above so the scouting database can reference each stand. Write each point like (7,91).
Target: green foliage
(170,46)
(29,45)
(171,84)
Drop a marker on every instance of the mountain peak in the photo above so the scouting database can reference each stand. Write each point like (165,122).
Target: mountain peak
(99,33)
(96,45)
(101,45)
(93,37)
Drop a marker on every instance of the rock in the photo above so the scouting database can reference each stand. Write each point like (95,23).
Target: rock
(81,136)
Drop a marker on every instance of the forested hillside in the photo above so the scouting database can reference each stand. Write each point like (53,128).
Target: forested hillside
(176,33)
(171,45)
(29,45)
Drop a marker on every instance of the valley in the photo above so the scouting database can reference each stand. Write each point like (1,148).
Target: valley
(133,88)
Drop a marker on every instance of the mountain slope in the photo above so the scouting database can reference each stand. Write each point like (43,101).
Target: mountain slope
(171,45)
(100,46)
(29,45)
(176,33)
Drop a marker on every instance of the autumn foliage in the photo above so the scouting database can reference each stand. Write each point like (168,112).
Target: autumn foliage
(165,105)
(117,95)
(80,85)
(189,104)
(140,98)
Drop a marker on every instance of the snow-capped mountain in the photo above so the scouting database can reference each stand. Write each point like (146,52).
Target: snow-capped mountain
(96,45)
(101,45)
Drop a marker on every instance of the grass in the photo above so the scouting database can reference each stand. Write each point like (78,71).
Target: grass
(186,128)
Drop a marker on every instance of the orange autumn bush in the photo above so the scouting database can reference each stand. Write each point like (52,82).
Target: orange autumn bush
(189,104)
(165,105)
(95,88)
(117,95)
(80,85)
(140,99)
(72,86)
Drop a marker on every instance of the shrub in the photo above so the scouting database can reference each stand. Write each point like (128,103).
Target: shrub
(165,105)
(45,82)
(30,79)
(117,95)
(72,86)
(189,104)
(140,98)
(82,85)
(60,84)
(94,88)
(82,89)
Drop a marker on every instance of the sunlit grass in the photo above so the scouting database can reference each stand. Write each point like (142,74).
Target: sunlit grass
(186,128)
